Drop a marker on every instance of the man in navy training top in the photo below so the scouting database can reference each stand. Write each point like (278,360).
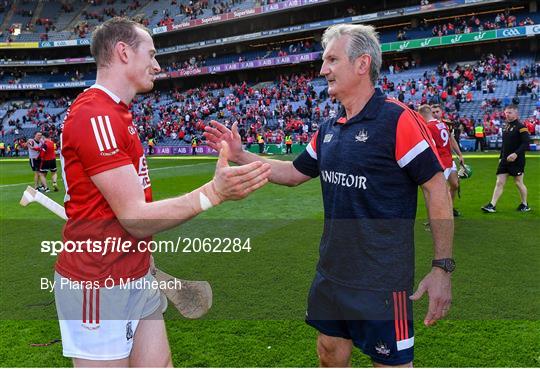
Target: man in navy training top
(371,158)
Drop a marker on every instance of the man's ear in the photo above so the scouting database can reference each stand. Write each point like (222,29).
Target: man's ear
(121,49)
(362,64)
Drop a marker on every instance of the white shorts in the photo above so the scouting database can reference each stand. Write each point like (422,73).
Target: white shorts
(100,323)
(448,171)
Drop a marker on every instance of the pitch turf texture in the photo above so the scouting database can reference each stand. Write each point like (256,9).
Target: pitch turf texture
(260,296)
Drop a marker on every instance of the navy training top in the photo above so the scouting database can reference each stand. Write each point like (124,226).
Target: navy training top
(370,167)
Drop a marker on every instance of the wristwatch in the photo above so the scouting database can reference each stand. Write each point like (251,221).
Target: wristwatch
(448,264)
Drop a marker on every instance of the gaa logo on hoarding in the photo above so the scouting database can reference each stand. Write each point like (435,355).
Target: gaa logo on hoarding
(512,32)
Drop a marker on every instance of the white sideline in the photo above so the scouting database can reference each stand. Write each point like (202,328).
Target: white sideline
(151,169)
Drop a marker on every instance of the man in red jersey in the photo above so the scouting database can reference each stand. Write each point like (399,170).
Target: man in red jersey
(109,202)
(446,143)
(34,151)
(48,161)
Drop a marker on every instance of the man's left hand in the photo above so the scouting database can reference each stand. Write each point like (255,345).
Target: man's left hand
(438,286)
(512,157)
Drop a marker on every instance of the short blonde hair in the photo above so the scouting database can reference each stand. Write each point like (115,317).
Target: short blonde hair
(108,34)
(363,40)
(424,109)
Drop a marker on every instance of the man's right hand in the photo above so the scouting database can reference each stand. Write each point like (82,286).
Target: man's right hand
(235,183)
(217,132)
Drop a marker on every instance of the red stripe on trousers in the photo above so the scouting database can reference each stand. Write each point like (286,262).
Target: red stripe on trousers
(97,306)
(400,312)
(91,298)
(396,317)
(405,321)
(84,305)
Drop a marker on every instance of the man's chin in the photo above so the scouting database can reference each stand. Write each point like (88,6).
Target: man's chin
(146,88)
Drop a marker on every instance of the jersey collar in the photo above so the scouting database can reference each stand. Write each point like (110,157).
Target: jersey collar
(107,91)
(370,111)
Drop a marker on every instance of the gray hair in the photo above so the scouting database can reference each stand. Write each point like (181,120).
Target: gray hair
(363,40)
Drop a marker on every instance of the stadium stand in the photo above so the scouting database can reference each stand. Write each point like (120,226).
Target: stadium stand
(283,101)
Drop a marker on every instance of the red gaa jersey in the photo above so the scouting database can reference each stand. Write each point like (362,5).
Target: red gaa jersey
(48,150)
(99,135)
(441,137)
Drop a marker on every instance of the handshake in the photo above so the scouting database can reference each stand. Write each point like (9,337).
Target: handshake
(232,183)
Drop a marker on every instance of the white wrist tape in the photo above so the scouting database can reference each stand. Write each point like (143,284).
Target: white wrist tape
(204,201)
(205,197)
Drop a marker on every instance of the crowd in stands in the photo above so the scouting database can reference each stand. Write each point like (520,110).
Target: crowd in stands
(292,105)
(460,25)
(305,46)
(474,24)
(15,75)
(251,108)
(109,12)
(101,10)
(195,9)
(453,86)
(37,116)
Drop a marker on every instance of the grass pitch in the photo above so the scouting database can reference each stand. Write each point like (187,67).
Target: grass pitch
(260,296)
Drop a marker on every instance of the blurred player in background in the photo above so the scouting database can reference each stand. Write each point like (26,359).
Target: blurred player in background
(34,151)
(48,161)
(511,160)
(109,194)
(446,143)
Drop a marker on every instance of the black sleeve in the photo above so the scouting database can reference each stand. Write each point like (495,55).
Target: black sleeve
(423,167)
(305,164)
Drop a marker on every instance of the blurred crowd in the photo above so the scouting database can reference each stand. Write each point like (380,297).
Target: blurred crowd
(292,105)
(451,87)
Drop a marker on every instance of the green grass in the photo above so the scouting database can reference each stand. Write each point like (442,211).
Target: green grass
(260,296)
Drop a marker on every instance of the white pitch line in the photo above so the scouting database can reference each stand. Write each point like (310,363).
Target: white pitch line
(179,166)
(15,184)
(151,169)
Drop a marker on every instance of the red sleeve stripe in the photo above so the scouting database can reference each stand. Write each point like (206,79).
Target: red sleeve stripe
(423,127)
(312,146)
(412,113)
(428,137)
(410,133)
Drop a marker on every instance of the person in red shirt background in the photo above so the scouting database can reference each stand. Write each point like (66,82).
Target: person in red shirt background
(445,143)
(48,161)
